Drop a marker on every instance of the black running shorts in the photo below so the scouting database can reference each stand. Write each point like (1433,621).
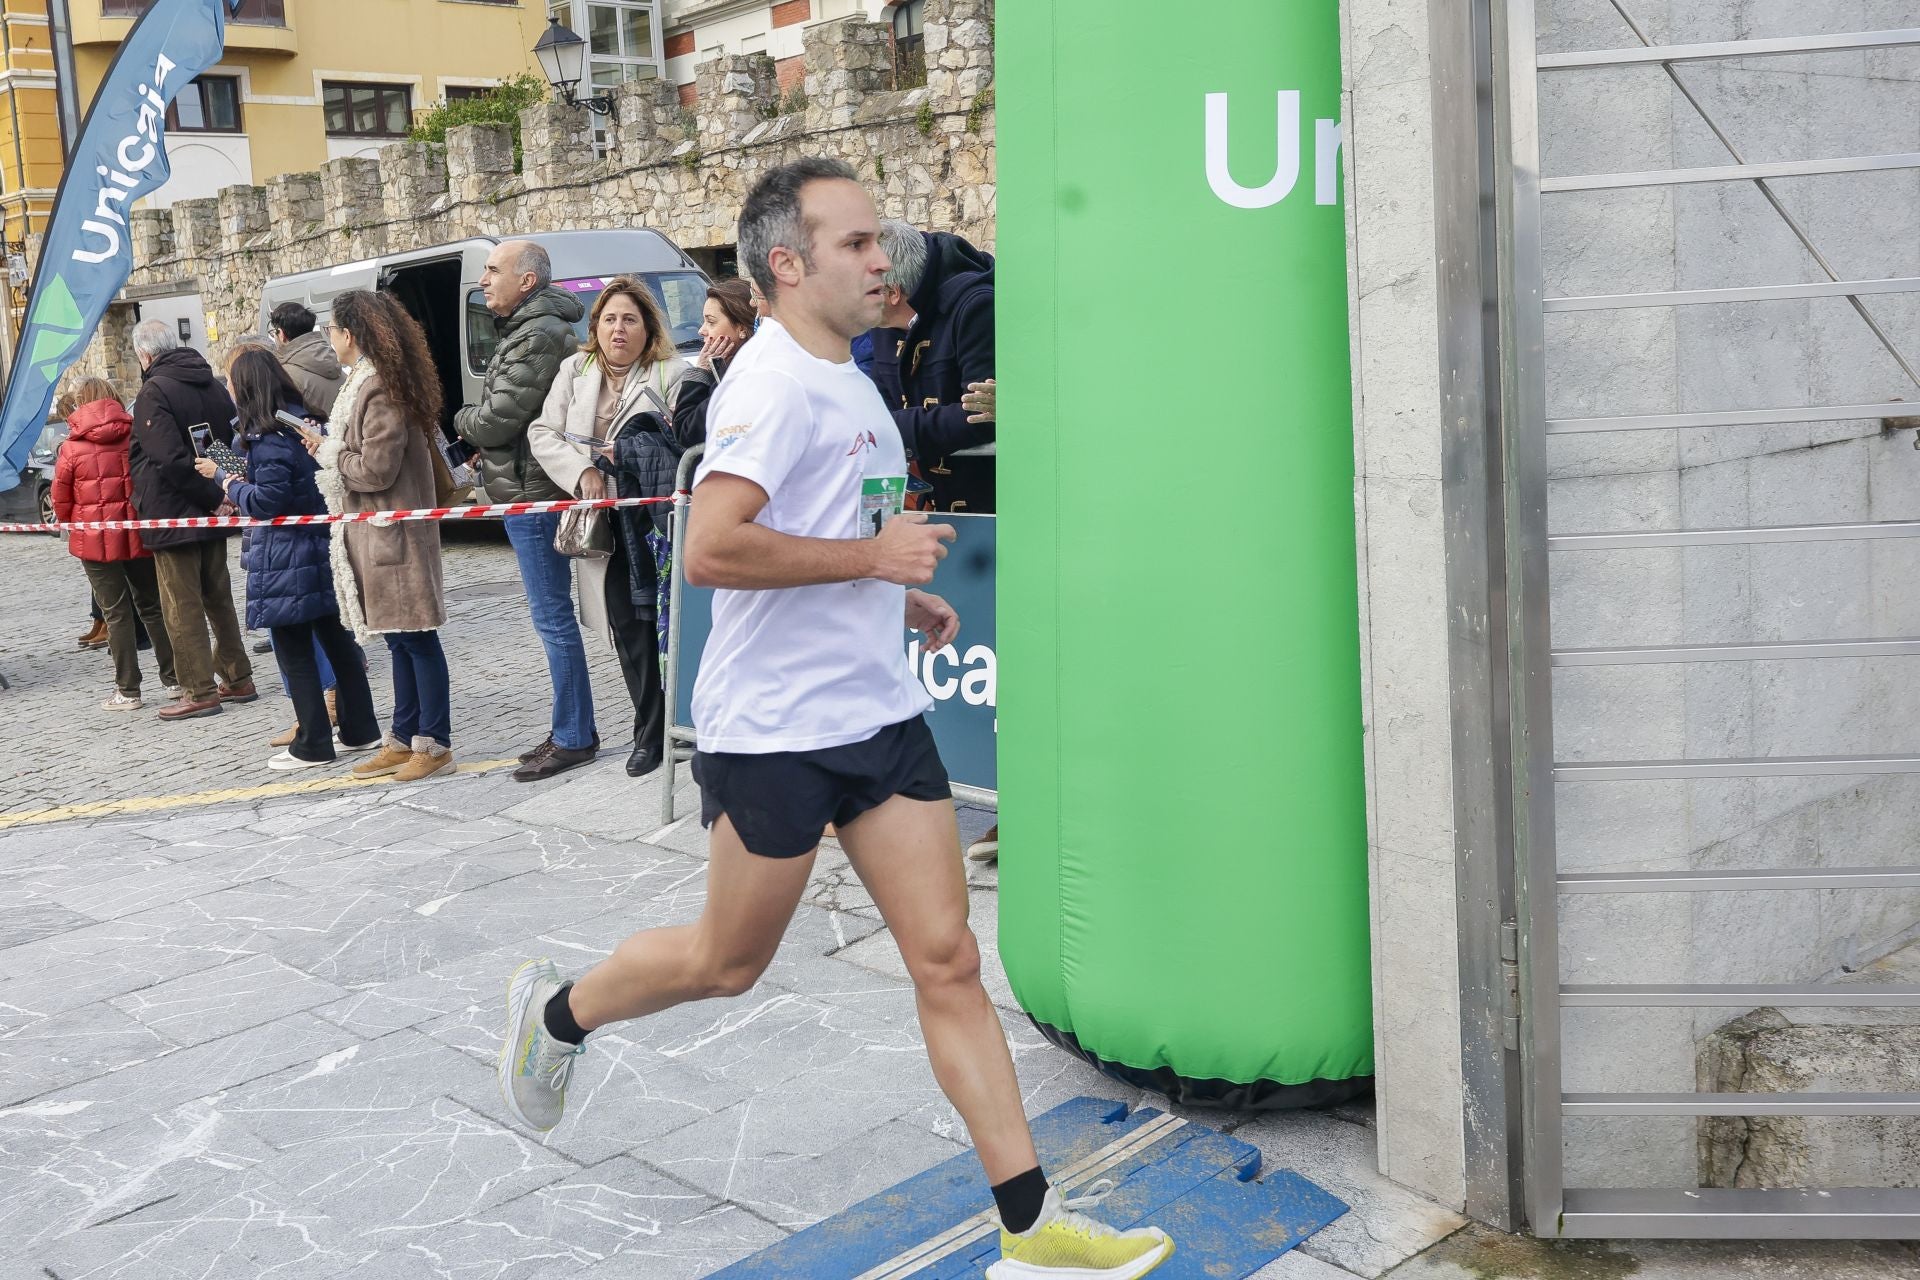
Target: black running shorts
(780,802)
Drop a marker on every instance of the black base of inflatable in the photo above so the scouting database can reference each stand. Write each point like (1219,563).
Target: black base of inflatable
(1260,1095)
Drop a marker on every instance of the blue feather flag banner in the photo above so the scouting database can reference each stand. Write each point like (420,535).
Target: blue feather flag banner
(87,254)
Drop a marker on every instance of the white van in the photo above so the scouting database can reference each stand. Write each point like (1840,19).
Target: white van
(440,287)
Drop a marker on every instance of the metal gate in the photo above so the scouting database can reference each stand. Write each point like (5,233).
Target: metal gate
(1526,558)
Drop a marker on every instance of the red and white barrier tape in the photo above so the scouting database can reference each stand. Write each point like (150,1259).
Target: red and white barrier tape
(489,512)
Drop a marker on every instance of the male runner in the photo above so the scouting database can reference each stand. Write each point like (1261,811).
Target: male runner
(808,715)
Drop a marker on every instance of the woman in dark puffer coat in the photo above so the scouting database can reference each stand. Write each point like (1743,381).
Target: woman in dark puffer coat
(289,569)
(93,480)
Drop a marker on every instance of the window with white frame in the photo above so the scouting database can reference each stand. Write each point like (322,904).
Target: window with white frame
(623,39)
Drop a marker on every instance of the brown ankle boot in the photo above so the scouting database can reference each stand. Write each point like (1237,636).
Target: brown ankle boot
(96,637)
(429,758)
(391,759)
(284,739)
(333,712)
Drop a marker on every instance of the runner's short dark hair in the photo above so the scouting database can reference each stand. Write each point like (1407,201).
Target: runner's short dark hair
(292,319)
(771,217)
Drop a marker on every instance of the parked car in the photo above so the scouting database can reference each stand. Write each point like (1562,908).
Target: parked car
(31,501)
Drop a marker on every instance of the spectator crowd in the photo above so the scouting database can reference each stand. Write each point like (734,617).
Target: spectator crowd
(343,414)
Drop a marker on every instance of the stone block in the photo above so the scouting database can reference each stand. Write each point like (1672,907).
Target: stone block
(152,234)
(479,161)
(556,143)
(847,60)
(350,189)
(647,119)
(1616,597)
(196,227)
(1803,1050)
(413,178)
(1595,830)
(295,205)
(243,217)
(736,94)
(1619,713)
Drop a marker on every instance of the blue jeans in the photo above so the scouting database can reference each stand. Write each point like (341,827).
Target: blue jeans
(548,578)
(422,689)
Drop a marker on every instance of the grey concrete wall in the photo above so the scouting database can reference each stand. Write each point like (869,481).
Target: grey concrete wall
(1392,302)
(1726,357)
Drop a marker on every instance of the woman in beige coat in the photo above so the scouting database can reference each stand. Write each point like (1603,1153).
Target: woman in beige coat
(595,395)
(380,456)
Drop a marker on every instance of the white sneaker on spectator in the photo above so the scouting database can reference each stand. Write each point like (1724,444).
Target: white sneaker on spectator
(987,847)
(287,760)
(175,692)
(121,702)
(356,748)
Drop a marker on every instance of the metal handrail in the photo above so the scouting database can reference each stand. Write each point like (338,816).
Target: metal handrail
(1756,881)
(1633,540)
(1716,297)
(1717,49)
(1734,767)
(1746,651)
(1731,418)
(1730,173)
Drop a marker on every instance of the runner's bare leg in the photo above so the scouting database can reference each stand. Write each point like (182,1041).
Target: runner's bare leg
(750,900)
(907,853)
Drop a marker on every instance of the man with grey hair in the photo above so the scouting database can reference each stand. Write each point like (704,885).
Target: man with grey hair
(536,333)
(933,360)
(181,409)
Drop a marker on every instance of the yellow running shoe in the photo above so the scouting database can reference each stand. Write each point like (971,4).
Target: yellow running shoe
(1067,1245)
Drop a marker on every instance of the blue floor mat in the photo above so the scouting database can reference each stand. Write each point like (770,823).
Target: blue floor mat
(1201,1187)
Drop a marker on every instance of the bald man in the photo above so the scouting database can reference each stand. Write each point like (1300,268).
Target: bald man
(536,333)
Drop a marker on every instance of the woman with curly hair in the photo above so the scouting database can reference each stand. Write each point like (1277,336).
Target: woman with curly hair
(381,456)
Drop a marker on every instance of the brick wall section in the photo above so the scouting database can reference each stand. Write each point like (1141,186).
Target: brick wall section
(681,45)
(792,13)
(790,72)
(689,94)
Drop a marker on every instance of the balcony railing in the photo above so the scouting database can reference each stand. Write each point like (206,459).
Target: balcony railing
(271,13)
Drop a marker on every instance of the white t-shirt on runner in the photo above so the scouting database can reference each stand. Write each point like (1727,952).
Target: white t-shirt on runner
(802,668)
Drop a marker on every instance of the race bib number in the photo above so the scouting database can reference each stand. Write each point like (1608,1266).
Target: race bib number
(881,499)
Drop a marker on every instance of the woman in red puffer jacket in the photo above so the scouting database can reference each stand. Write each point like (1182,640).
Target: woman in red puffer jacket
(93,481)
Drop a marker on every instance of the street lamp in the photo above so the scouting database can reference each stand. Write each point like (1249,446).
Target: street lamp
(563,56)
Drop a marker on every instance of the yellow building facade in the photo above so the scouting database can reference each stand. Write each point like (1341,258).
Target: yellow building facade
(30,146)
(307,81)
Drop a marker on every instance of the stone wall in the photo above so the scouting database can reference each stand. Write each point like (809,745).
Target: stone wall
(1659,360)
(927,155)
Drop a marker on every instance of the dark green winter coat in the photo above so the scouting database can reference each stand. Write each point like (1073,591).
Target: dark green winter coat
(533,341)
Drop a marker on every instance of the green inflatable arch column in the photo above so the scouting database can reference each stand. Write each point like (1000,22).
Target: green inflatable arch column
(1183,894)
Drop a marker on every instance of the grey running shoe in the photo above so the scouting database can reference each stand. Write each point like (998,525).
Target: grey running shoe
(534,1067)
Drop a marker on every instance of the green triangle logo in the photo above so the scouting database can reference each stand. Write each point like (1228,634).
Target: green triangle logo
(59,319)
(57,309)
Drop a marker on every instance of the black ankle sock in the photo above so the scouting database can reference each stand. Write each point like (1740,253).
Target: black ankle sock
(559,1019)
(1020,1200)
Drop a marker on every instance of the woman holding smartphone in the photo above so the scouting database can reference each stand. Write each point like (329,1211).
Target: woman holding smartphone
(289,570)
(380,456)
(625,380)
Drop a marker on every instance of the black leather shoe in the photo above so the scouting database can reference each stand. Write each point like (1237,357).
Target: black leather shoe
(525,756)
(551,761)
(645,759)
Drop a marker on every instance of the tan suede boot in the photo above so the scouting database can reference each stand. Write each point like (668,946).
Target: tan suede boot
(429,758)
(392,758)
(284,739)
